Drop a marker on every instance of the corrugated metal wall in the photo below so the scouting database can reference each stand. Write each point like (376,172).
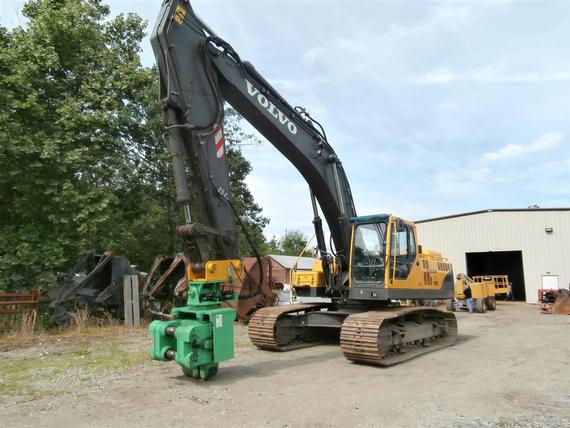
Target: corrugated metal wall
(543,253)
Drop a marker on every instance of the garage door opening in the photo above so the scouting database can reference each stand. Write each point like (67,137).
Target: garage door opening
(499,263)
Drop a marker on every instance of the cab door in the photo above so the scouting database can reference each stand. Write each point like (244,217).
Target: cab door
(402,254)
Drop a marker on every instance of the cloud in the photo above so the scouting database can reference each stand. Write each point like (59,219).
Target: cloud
(493,74)
(457,181)
(556,165)
(547,141)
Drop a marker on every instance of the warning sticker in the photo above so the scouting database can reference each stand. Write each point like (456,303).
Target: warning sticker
(219,321)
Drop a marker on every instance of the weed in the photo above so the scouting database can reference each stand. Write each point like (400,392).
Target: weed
(80,318)
(28,324)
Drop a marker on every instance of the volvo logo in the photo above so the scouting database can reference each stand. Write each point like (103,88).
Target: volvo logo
(270,107)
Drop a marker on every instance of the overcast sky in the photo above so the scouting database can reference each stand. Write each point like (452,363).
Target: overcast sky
(434,108)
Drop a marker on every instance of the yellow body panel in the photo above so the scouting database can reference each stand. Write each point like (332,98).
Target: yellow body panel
(500,282)
(313,278)
(428,270)
(478,289)
(307,278)
(482,290)
(217,270)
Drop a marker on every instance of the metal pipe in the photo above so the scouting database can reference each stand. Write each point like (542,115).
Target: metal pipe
(321,245)
(178,166)
(337,186)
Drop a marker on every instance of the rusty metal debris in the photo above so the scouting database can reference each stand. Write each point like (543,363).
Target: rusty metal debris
(17,307)
(251,298)
(165,287)
(95,281)
(555,302)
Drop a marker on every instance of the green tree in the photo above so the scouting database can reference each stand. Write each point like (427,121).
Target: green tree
(83,164)
(291,244)
(69,82)
(273,246)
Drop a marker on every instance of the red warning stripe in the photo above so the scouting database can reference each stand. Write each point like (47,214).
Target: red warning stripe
(219,141)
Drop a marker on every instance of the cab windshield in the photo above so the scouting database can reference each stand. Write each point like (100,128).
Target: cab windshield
(368,257)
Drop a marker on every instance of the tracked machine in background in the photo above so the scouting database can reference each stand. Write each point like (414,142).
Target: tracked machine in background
(371,262)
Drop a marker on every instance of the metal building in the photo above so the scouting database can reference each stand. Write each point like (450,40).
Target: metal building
(532,246)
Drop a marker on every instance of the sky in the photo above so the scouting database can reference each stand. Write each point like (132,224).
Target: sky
(434,108)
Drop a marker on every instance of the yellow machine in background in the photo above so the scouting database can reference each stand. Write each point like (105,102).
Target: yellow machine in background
(482,293)
(310,283)
(501,282)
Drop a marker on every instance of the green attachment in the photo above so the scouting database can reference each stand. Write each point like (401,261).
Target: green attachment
(201,334)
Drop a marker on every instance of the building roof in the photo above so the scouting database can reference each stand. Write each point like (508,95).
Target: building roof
(491,211)
(288,261)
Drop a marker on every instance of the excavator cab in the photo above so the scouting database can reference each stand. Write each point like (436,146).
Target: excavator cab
(386,262)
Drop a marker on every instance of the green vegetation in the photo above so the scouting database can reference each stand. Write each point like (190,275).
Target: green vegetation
(50,373)
(291,244)
(83,164)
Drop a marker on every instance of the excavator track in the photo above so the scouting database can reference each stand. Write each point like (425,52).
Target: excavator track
(391,336)
(265,334)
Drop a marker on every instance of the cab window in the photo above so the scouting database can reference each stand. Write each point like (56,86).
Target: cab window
(368,257)
(402,251)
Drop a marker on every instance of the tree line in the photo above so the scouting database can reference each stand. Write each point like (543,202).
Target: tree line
(83,161)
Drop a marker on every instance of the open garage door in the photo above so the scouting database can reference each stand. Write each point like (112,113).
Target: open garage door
(499,263)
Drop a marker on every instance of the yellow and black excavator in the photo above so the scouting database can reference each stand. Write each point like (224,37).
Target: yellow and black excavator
(371,263)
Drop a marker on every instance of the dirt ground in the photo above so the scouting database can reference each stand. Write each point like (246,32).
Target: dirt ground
(509,368)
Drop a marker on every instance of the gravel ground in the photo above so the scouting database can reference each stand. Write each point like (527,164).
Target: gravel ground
(509,368)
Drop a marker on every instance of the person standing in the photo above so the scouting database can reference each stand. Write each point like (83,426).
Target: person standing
(468,297)
(510,295)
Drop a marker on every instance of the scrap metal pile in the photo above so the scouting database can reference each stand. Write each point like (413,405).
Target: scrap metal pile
(165,287)
(555,302)
(94,282)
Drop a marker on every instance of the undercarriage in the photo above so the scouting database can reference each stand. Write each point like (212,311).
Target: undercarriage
(383,336)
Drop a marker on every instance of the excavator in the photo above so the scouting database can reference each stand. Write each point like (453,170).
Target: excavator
(372,264)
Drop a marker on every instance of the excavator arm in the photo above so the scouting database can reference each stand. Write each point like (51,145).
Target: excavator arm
(198,72)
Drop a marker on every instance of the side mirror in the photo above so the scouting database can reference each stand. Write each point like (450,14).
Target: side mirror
(419,249)
(400,225)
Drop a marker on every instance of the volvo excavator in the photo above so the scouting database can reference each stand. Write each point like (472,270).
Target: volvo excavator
(372,262)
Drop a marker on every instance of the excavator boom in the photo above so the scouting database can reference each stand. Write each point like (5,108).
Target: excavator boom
(198,72)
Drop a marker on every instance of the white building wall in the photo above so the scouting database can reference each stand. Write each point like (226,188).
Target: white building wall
(542,253)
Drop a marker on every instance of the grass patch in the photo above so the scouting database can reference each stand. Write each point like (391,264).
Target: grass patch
(52,373)
(69,334)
